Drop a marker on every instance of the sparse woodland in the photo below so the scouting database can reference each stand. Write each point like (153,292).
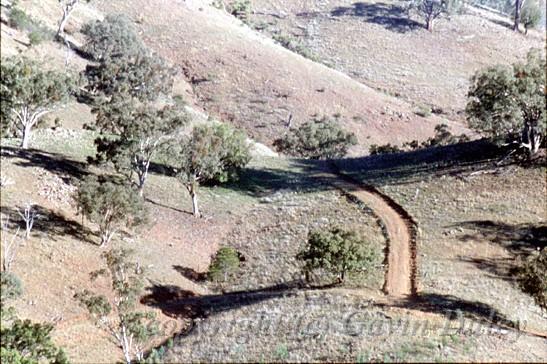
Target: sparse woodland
(157,170)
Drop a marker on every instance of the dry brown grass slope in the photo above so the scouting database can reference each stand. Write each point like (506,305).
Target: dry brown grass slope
(377,44)
(252,82)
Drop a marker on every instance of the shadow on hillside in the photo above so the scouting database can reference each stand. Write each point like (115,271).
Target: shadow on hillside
(191,274)
(390,16)
(55,163)
(183,304)
(519,240)
(419,165)
(394,169)
(51,223)
(303,176)
(453,308)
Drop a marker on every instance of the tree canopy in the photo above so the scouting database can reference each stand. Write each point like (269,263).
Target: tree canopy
(111,205)
(508,102)
(29,92)
(133,133)
(210,153)
(336,250)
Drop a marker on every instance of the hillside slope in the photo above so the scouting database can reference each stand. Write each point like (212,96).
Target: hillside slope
(249,80)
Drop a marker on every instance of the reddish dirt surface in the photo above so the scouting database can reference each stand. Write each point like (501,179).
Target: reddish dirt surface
(248,80)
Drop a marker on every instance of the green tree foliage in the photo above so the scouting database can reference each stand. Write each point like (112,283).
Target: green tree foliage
(530,14)
(118,316)
(211,153)
(337,251)
(113,37)
(26,342)
(111,205)
(533,278)
(22,341)
(30,92)
(225,263)
(318,139)
(144,76)
(508,102)
(133,133)
(429,10)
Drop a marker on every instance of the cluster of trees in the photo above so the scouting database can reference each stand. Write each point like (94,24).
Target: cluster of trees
(317,139)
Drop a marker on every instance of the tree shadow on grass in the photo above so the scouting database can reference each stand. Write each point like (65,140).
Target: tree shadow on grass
(454,308)
(390,16)
(191,274)
(50,223)
(184,304)
(520,240)
(58,164)
(416,166)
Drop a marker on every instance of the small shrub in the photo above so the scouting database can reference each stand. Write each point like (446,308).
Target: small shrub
(11,286)
(18,19)
(337,251)
(533,278)
(423,111)
(225,263)
(38,32)
(375,149)
(241,9)
(35,37)
(294,45)
(318,139)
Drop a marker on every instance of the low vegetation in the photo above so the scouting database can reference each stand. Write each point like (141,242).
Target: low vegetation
(533,277)
(317,139)
(224,264)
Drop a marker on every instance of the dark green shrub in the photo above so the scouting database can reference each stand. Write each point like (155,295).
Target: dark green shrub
(225,263)
(318,139)
(337,251)
(375,149)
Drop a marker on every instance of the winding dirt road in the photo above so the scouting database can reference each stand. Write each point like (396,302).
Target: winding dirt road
(399,230)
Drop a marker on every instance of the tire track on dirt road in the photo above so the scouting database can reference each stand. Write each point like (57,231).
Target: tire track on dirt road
(400,231)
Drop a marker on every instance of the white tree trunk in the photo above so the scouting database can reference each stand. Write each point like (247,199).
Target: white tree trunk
(26,135)
(195,208)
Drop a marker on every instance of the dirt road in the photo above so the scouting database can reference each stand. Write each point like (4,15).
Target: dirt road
(399,229)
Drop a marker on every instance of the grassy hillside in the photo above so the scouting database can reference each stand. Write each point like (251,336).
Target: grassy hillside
(380,75)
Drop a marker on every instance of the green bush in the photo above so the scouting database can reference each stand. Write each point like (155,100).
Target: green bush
(11,286)
(337,251)
(375,149)
(533,278)
(225,263)
(18,19)
(318,139)
(530,15)
(38,32)
(423,111)
(294,45)
(35,37)
(114,36)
